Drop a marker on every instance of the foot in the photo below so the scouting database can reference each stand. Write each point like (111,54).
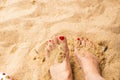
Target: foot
(88,61)
(58,54)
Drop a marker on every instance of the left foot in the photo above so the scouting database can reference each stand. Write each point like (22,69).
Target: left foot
(58,53)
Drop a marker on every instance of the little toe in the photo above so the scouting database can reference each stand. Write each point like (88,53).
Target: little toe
(50,44)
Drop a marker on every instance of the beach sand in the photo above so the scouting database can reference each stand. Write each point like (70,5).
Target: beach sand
(25,26)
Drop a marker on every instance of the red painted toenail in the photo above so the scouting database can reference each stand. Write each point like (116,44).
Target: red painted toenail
(61,37)
(78,38)
(50,40)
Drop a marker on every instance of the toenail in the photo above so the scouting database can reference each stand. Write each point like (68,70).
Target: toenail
(50,40)
(78,38)
(61,37)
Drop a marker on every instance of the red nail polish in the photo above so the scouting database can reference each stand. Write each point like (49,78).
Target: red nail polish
(50,40)
(78,38)
(61,37)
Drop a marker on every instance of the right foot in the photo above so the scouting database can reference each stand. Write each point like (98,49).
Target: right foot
(88,61)
(58,55)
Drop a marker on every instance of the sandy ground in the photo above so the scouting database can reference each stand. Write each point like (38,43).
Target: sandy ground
(26,24)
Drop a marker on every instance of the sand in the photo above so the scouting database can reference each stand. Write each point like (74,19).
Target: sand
(25,25)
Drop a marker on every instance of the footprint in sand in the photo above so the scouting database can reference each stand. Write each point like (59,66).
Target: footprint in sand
(57,56)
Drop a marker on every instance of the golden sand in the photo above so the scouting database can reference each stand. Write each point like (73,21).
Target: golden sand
(26,24)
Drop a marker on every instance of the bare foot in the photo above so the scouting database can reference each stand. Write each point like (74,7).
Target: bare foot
(88,61)
(58,53)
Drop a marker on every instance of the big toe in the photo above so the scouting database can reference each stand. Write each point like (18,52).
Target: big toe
(63,43)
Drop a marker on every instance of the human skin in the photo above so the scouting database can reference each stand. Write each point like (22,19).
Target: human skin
(62,70)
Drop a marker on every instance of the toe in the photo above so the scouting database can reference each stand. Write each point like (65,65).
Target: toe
(51,44)
(87,42)
(62,41)
(49,47)
(55,40)
(63,47)
(83,42)
(77,42)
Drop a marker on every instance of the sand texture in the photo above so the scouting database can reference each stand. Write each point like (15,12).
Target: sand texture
(25,25)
